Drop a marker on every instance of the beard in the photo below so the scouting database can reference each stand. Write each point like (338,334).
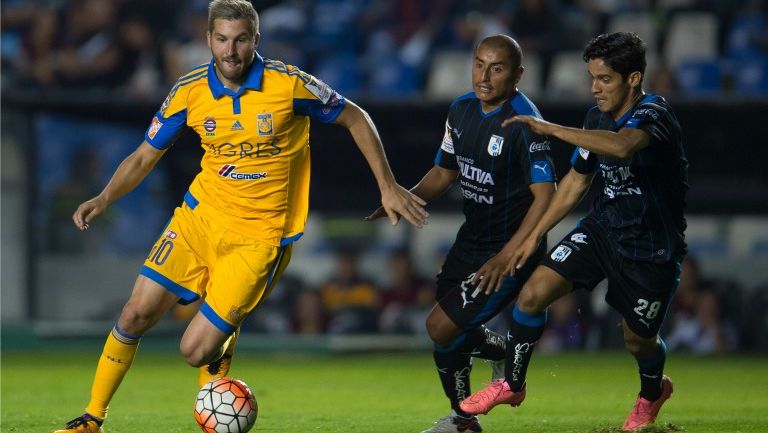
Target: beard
(233,72)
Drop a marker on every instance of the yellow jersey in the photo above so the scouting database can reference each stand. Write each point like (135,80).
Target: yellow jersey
(254,176)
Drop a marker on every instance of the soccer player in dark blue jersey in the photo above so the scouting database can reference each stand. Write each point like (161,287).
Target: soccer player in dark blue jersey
(633,236)
(507,179)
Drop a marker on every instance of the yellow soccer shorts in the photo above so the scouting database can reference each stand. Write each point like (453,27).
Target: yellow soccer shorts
(195,257)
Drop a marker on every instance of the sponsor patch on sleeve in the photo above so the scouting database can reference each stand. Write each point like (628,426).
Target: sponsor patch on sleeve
(322,91)
(447,139)
(154,127)
(332,103)
(584,153)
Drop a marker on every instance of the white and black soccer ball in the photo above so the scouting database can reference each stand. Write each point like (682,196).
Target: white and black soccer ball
(225,405)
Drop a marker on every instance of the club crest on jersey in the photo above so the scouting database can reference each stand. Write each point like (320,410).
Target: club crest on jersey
(495,144)
(264,124)
(210,126)
(561,253)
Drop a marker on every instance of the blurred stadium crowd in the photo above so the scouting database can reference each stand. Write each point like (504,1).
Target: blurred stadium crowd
(386,49)
(707,316)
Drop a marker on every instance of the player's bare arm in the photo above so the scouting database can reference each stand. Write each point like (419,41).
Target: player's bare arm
(395,199)
(569,193)
(621,144)
(128,175)
(432,185)
(491,275)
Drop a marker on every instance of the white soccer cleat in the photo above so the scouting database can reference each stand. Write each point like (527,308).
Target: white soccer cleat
(454,423)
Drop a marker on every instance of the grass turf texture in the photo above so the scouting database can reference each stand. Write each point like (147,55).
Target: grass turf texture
(384,393)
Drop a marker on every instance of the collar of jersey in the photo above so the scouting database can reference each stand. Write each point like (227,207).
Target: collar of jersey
(625,117)
(253,81)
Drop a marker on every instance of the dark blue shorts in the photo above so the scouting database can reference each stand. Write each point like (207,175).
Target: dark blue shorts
(466,305)
(640,291)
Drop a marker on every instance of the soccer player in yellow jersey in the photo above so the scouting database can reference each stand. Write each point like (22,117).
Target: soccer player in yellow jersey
(231,238)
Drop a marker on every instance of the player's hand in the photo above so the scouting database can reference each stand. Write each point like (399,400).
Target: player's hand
(521,255)
(89,210)
(398,201)
(537,125)
(490,276)
(378,213)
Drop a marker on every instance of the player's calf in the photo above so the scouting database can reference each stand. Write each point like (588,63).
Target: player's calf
(220,367)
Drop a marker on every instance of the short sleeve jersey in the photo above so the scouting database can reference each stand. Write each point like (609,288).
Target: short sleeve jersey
(496,166)
(643,197)
(255,171)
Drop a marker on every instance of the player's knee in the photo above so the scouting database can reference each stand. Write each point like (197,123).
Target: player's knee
(439,331)
(639,346)
(136,320)
(530,302)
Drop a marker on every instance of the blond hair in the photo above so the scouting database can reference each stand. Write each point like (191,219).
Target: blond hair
(233,10)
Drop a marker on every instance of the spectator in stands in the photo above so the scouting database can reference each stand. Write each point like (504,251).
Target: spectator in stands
(350,300)
(407,301)
(308,314)
(84,49)
(695,313)
(275,315)
(27,31)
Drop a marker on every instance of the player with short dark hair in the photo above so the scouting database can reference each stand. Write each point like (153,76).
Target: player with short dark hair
(231,239)
(633,236)
(507,179)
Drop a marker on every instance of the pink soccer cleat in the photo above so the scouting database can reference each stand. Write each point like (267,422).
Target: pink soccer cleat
(644,412)
(496,393)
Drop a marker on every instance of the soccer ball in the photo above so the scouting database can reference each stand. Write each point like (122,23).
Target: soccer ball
(225,405)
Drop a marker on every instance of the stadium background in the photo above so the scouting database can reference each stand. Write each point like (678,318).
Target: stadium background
(82,78)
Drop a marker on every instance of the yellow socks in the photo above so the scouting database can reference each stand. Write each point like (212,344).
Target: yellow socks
(115,361)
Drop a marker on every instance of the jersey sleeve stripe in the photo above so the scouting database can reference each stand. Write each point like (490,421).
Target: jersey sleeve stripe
(196,70)
(192,78)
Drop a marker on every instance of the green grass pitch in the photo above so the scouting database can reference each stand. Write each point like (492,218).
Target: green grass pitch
(380,393)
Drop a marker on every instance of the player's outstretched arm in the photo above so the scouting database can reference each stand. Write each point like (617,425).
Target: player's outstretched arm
(395,199)
(490,276)
(128,175)
(569,193)
(432,185)
(621,144)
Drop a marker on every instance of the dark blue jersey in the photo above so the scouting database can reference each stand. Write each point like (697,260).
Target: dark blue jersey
(643,197)
(496,166)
